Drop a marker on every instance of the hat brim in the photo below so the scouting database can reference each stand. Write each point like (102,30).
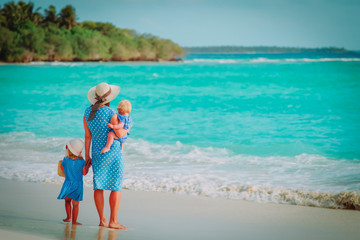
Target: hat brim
(115,90)
(73,149)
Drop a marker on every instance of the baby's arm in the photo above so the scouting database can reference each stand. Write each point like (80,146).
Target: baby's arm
(116,126)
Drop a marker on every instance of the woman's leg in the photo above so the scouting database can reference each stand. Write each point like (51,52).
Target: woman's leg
(99,203)
(75,212)
(67,209)
(114,200)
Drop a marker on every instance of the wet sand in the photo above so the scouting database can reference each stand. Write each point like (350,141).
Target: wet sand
(32,210)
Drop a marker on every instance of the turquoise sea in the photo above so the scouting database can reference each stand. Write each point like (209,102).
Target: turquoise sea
(281,128)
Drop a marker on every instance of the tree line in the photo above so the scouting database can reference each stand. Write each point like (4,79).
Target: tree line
(27,35)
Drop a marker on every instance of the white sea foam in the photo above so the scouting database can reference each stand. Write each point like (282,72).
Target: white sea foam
(70,64)
(311,180)
(205,60)
(264,60)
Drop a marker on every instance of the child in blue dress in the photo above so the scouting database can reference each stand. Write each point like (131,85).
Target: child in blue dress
(74,167)
(124,121)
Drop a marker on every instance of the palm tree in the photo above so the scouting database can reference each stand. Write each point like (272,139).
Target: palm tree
(10,12)
(50,15)
(67,17)
(17,14)
(26,11)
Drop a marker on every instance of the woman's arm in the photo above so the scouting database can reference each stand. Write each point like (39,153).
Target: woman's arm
(119,132)
(87,141)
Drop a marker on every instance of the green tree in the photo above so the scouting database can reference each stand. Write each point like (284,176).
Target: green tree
(67,17)
(50,15)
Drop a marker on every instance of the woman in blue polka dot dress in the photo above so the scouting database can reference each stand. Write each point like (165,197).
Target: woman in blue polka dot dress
(107,167)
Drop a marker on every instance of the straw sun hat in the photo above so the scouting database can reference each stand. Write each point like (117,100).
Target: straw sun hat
(100,90)
(75,146)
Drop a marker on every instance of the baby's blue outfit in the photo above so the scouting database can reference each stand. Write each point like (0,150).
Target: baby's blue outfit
(127,120)
(73,185)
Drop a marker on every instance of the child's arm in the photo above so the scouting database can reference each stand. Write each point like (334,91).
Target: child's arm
(121,131)
(86,167)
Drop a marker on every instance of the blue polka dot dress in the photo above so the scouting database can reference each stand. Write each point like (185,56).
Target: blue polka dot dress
(107,167)
(73,184)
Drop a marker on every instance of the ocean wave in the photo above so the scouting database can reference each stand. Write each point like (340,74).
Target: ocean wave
(205,60)
(70,64)
(305,179)
(256,193)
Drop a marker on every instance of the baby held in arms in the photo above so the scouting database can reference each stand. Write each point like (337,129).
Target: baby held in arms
(124,121)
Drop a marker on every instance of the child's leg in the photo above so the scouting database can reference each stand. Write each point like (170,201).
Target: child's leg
(75,212)
(110,140)
(67,209)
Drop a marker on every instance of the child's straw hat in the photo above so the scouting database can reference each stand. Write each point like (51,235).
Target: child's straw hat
(75,146)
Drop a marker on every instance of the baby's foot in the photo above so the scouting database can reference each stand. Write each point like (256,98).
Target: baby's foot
(105,150)
(67,220)
(76,223)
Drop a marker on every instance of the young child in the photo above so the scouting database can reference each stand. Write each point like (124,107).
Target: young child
(124,109)
(74,167)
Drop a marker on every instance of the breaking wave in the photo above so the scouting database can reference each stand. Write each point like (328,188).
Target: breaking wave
(307,180)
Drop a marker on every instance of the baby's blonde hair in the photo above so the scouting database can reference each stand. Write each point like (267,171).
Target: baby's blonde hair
(125,106)
(69,154)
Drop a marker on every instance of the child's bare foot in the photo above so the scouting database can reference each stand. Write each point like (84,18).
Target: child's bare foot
(105,149)
(67,220)
(76,223)
(104,223)
(117,225)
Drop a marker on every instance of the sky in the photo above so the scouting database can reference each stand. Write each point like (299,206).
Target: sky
(293,23)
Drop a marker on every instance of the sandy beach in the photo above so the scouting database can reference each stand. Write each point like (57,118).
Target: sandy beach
(31,211)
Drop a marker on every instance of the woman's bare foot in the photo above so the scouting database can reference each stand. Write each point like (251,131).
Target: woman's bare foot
(67,220)
(104,223)
(76,223)
(117,225)
(105,150)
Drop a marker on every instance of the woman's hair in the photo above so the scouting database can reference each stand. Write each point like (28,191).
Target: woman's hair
(69,154)
(125,106)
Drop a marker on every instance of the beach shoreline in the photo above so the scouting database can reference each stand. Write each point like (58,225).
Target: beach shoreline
(32,209)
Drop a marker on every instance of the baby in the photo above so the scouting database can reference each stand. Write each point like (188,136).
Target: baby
(124,109)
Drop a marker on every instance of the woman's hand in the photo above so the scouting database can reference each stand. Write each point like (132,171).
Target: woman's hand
(88,160)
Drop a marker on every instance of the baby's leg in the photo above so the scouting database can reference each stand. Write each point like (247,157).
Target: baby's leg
(110,140)
(75,212)
(67,209)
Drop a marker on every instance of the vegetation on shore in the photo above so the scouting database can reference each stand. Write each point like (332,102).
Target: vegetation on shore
(259,49)
(27,35)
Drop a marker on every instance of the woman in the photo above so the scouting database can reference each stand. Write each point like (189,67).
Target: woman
(107,167)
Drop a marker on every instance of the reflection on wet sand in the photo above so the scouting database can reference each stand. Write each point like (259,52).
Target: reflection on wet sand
(70,232)
(112,233)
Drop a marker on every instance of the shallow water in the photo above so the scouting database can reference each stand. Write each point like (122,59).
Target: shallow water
(251,126)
